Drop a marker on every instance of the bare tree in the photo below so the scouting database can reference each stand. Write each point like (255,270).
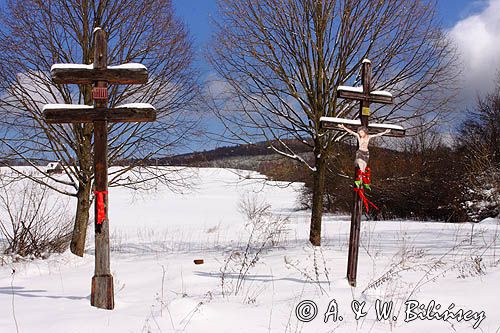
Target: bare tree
(37,34)
(280,63)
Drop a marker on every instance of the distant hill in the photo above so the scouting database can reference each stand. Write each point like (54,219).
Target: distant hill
(247,156)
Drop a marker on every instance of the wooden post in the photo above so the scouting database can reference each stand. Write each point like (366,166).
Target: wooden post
(366,96)
(102,294)
(352,261)
(357,210)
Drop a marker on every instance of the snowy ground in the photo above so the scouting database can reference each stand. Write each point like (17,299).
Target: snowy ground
(156,236)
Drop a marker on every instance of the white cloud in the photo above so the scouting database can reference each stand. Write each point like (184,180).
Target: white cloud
(477,38)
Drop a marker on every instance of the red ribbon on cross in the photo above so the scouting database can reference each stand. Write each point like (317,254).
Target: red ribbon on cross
(366,202)
(364,177)
(101,211)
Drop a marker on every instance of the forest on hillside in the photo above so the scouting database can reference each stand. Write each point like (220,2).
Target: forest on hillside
(425,177)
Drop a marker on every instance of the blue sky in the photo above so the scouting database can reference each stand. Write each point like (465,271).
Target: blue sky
(197,13)
(451,11)
(474,15)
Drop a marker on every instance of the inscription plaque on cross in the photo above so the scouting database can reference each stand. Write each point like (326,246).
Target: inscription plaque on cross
(99,74)
(363,131)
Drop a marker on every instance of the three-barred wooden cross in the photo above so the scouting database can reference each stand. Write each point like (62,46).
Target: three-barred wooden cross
(366,96)
(100,75)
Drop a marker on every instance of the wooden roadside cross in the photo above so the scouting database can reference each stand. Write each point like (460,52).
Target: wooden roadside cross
(100,75)
(366,96)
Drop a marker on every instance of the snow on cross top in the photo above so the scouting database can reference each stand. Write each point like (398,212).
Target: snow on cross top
(357,122)
(71,66)
(381,93)
(352,89)
(360,90)
(136,106)
(66,106)
(130,65)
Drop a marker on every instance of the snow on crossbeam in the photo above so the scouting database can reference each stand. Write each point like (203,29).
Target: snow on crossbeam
(360,91)
(333,123)
(66,106)
(130,65)
(381,93)
(130,73)
(136,106)
(71,66)
(352,89)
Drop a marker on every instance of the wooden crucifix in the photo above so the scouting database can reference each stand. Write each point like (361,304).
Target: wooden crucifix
(99,75)
(363,132)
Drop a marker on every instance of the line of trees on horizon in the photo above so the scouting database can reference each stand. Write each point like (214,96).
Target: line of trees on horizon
(425,178)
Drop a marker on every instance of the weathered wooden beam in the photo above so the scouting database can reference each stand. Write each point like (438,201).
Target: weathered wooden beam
(85,115)
(359,96)
(116,75)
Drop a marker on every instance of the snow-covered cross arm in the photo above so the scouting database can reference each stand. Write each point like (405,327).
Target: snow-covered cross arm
(76,113)
(130,73)
(365,93)
(357,93)
(353,124)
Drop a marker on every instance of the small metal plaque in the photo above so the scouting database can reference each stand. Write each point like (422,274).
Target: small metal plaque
(100,93)
(365,111)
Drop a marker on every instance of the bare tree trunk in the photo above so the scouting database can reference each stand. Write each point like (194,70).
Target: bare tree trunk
(317,201)
(81,219)
(84,131)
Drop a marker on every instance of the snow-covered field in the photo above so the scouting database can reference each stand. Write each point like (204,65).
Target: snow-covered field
(156,235)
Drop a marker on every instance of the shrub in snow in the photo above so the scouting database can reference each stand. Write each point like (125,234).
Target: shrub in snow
(472,266)
(482,194)
(264,230)
(32,225)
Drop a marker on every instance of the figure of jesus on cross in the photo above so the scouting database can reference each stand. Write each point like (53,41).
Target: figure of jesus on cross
(362,154)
